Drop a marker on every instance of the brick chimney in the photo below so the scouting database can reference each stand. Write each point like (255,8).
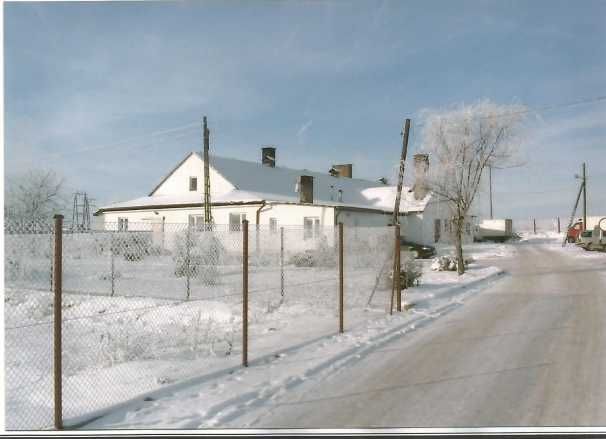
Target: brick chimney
(343,170)
(421,163)
(306,189)
(268,156)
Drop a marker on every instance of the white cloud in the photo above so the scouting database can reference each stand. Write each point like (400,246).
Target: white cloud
(302,130)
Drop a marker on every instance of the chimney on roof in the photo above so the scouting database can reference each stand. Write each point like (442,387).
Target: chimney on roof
(342,170)
(268,156)
(421,163)
(306,189)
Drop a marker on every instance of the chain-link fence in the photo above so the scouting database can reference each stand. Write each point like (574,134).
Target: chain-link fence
(535,225)
(162,303)
(28,320)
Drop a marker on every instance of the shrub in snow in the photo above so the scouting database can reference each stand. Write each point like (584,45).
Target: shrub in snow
(321,256)
(197,255)
(134,246)
(413,271)
(12,267)
(448,263)
(410,274)
(108,276)
(303,259)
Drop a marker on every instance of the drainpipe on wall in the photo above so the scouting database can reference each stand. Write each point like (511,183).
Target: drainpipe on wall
(258,225)
(337,212)
(258,218)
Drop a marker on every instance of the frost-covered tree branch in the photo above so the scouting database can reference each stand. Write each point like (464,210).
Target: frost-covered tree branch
(34,196)
(462,142)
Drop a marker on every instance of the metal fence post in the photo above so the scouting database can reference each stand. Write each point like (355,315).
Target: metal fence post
(341,292)
(57,348)
(50,257)
(534,225)
(187,262)
(282,261)
(113,268)
(245,293)
(397,270)
(558,224)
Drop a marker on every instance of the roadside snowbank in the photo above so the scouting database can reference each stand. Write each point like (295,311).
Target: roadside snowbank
(293,352)
(555,240)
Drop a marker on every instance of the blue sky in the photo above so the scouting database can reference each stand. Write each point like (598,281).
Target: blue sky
(111,94)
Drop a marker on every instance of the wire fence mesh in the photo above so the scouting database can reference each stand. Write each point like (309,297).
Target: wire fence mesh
(28,320)
(539,224)
(156,304)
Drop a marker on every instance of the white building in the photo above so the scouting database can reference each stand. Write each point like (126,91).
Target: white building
(274,196)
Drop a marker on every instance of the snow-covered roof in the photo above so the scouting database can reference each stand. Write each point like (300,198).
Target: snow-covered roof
(254,182)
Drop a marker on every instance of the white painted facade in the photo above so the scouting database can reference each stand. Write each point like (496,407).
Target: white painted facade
(245,190)
(192,167)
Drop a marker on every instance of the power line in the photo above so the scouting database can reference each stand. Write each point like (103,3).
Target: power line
(539,109)
(119,143)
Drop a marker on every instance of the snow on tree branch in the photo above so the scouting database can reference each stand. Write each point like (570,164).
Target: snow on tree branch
(462,142)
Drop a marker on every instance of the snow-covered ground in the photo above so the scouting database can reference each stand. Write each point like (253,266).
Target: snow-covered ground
(291,351)
(218,399)
(152,362)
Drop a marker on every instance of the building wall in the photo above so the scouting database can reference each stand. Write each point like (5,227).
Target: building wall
(293,214)
(291,217)
(415,227)
(354,218)
(178,182)
(422,226)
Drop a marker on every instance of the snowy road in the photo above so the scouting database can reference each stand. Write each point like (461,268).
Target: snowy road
(529,351)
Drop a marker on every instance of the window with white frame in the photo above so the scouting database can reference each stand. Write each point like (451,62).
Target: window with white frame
(196,222)
(193,184)
(311,227)
(235,221)
(122,224)
(273,225)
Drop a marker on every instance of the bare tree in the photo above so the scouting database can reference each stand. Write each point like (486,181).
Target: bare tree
(462,143)
(34,196)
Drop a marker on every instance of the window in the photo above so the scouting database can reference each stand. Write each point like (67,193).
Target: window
(311,227)
(235,219)
(122,224)
(340,196)
(273,225)
(436,230)
(193,183)
(468,228)
(197,222)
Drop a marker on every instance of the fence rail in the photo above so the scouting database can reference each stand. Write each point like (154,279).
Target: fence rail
(535,225)
(160,303)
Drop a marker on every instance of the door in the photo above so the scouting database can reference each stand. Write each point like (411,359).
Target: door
(436,230)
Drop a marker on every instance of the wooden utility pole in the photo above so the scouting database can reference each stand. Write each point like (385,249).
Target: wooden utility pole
(584,199)
(396,209)
(208,219)
(490,184)
(396,274)
(574,211)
